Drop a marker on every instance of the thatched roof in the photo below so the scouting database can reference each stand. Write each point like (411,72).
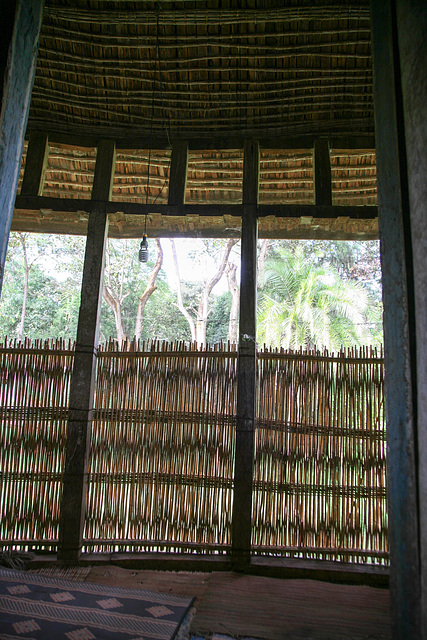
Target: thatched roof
(204,68)
(212,72)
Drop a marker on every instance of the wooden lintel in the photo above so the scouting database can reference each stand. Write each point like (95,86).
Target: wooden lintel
(35,164)
(322,172)
(178,173)
(67,205)
(318,211)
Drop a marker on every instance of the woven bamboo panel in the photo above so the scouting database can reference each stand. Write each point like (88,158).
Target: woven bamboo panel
(162,451)
(34,385)
(320,476)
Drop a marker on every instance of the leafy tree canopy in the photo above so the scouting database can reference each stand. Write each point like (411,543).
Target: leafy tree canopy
(305,301)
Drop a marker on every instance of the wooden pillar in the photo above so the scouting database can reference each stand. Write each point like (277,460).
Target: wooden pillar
(84,369)
(399,325)
(21,24)
(35,164)
(411,19)
(178,173)
(322,172)
(246,367)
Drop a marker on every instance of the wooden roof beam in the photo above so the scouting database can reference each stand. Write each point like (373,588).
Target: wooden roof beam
(271,140)
(35,164)
(322,173)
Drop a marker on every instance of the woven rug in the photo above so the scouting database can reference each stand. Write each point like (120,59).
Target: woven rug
(40,607)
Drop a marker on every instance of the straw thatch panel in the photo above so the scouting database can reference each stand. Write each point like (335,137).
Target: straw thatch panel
(214,74)
(69,172)
(286,177)
(142,175)
(354,177)
(214,177)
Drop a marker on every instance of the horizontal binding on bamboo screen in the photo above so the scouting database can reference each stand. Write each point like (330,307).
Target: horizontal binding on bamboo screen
(162,451)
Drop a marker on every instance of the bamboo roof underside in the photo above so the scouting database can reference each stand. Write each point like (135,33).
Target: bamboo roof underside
(213,73)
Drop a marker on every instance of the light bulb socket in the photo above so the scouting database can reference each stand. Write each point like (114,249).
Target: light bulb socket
(143,249)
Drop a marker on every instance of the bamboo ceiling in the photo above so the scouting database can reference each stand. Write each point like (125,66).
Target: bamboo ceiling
(212,72)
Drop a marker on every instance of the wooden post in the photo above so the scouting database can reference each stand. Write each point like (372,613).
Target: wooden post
(411,19)
(35,164)
(399,323)
(84,369)
(178,173)
(21,24)
(322,172)
(246,367)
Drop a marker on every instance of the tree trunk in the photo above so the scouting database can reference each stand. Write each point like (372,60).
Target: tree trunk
(115,304)
(20,332)
(235,299)
(180,303)
(150,288)
(203,309)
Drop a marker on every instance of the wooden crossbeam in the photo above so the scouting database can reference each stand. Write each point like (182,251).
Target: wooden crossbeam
(35,164)
(215,141)
(67,205)
(178,173)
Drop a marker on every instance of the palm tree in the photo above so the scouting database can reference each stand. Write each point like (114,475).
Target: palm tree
(302,304)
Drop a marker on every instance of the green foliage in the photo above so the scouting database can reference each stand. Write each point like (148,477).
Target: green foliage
(312,292)
(305,301)
(53,300)
(217,328)
(162,318)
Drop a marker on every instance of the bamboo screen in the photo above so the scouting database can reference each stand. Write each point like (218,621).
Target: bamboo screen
(162,454)
(320,476)
(162,451)
(34,386)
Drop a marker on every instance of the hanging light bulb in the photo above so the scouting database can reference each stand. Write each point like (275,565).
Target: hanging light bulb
(143,249)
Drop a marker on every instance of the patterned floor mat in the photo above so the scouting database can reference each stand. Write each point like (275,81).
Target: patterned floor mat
(38,606)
